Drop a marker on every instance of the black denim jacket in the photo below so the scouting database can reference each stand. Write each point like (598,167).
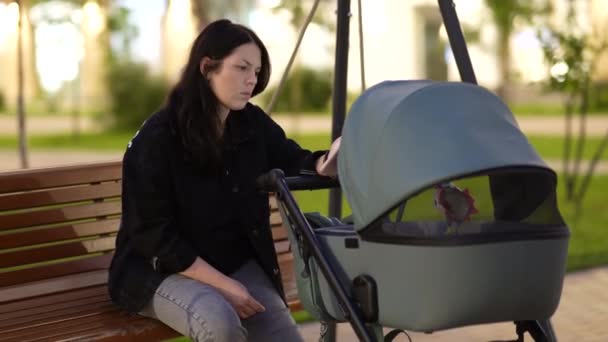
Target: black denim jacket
(171,213)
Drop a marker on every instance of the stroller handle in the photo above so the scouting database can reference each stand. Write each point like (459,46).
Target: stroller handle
(268,182)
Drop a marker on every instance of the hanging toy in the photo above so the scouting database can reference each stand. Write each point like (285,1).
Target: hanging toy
(454,204)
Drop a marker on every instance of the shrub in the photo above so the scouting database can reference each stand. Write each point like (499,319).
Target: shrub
(599,96)
(315,91)
(134,93)
(2,102)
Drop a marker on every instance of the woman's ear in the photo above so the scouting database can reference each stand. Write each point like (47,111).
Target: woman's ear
(204,65)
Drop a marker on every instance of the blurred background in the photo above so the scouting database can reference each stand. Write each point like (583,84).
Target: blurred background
(77,78)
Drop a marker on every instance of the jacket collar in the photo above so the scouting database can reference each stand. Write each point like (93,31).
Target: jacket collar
(239,125)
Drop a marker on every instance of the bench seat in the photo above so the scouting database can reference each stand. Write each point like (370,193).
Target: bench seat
(57,233)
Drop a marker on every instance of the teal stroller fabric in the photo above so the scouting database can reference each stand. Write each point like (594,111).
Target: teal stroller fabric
(402,136)
(455,218)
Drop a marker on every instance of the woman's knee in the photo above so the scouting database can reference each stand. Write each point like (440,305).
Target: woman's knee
(196,310)
(217,323)
(220,329)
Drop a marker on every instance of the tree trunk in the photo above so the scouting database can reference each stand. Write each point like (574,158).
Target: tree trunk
(21,130)
(582,134)
(200,10)
(504,60)
(567,149)
(596,158)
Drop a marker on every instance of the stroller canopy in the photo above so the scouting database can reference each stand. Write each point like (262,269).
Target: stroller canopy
(401,137)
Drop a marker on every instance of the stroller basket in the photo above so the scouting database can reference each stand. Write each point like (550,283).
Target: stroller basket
(436,280)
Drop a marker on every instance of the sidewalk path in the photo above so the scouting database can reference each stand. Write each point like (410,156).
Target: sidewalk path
(46,124)
(582,316)
(532,125)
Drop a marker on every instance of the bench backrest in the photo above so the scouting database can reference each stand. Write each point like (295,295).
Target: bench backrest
(58,228)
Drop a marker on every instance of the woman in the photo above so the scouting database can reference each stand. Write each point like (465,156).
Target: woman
(194,248)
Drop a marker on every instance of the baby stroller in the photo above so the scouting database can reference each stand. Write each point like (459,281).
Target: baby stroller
(454,218)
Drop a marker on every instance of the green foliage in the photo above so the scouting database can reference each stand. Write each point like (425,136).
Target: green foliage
(567,49)
(315,91)
(299,14)
(119,26)
(2,102)
(134,93)
(599,96)
(505,12)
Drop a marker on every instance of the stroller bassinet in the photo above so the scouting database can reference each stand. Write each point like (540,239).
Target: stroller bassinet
(454,215)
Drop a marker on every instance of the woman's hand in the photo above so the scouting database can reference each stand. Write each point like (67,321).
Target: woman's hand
(237,295)
(327,164)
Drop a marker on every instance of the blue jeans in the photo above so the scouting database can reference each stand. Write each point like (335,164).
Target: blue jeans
(199,311)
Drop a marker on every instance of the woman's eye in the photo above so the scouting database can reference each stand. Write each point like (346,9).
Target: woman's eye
(242,67)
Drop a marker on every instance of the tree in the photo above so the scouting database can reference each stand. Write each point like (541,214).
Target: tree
(504,14)
(21,131)
(298,20)
(205,10)
(572,53)
(130,108)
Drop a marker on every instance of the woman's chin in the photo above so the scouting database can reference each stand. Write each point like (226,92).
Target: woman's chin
(238,106)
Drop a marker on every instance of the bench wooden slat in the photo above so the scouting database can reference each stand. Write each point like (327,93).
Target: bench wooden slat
(68,322)
(53,299)
(59,176)
(115,326)
(275,219)
(54,234)
(75,325)
(134,330)
(272,200)
(286,264)
(50,216)
(37,310)
(118,329)
(279,233)
(60,195)
(55,270)
(78,309)
(282,247)
(65,250)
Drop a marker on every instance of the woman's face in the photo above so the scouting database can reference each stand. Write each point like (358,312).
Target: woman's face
(234,80)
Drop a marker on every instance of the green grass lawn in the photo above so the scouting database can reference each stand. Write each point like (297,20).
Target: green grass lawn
(548,147)
(87,141)
(557,109)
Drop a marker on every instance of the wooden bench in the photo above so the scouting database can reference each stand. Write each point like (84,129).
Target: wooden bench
(57,232)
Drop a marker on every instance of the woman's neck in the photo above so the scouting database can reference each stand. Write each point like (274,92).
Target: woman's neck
(223,114)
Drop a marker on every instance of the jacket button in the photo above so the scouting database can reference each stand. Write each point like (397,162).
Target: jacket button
(275,270)
(255,232)
(235,188)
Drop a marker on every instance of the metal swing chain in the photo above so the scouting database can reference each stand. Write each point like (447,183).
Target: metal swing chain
(361,51)
(275,96)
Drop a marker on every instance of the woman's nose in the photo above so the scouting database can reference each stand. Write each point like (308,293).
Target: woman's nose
(252,78)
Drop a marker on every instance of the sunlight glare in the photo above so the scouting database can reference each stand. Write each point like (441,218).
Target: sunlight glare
(93,18)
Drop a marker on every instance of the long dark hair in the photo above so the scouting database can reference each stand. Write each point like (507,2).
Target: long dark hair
(192,100)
